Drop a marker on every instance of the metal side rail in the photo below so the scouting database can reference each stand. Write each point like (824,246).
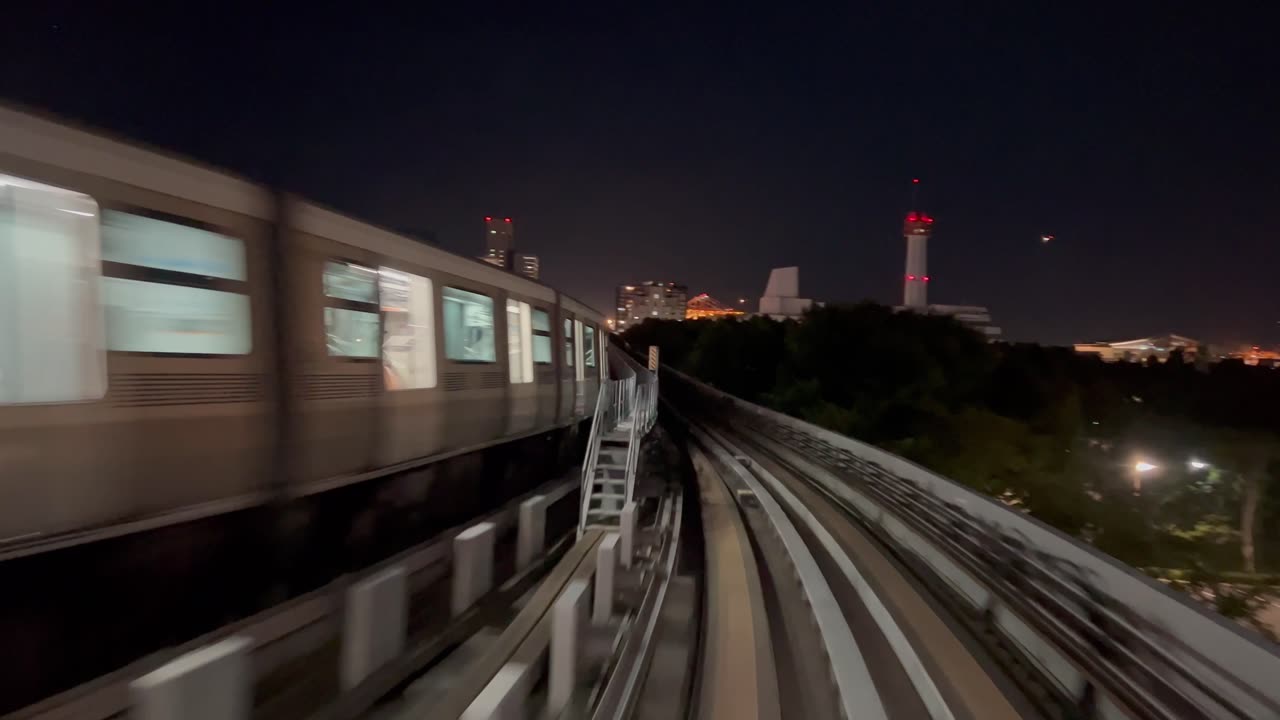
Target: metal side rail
(1106,640)
(836,682)
(310,656)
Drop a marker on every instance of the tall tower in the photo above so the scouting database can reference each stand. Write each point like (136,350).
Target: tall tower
(499,242)
(916,229)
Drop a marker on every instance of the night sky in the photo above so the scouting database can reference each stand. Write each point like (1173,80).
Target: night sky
(707,146)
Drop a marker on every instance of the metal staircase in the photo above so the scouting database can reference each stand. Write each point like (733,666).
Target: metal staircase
(625,412)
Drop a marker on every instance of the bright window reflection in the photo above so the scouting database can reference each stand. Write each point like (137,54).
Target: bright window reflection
(346,281)
(468,326)
(50,323)
(409,341)
(568,342)
(589,345)
(541,337)
(519,341)
(161,318)
(148,242)
(351,333)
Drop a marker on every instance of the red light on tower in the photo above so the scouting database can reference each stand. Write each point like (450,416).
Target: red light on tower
(911,277)
(487,218)
(911,216)
(915,181)
(507,219)
(926,278)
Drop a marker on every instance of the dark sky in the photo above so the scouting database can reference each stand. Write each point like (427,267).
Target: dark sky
(707,146)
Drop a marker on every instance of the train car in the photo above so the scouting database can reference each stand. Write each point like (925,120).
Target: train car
(152,347)
(179,346)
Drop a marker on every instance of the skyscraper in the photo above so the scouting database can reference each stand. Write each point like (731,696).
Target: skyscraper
(499,242)
(527,265)
(661,301)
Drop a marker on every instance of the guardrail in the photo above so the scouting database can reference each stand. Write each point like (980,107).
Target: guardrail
(1114,641)
(632,396)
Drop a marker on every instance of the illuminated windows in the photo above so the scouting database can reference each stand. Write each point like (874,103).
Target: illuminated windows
(520,342)
(468,326)
(408,340)
(351,315)
(541,338)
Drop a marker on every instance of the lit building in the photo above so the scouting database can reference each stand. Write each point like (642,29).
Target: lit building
(499,242)
(1141,349)
(660,301)
(705,307)
(527,265)
(781,299)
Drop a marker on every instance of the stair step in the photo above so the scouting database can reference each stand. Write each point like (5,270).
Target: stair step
(610,466)
(609,496)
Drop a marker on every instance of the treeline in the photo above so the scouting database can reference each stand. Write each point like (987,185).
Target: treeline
(1059,435)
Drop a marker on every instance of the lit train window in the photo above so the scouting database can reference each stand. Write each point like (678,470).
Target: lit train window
(577,343)
(568,342)
(519,342)
(348,281)
(589,346)
(50,322)
(541,337)
(172,288)
(351,322)
(468,326)
(408,338)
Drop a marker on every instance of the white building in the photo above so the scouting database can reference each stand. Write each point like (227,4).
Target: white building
(781,298)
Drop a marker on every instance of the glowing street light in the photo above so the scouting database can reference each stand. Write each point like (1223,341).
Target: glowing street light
(1195,464)
(1140,468)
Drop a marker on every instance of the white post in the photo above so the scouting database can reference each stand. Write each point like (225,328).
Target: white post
(505,697)
(472,566)
(628,533)
(375,624)
(531,535)
(568,623)
(212,683)
(606,571)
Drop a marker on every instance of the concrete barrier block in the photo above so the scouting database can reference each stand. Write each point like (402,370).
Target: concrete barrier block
(628,527)
(506,697)
(472,566)
(375,624)
(212,683)
(531,535)
(568,625)
(606,573)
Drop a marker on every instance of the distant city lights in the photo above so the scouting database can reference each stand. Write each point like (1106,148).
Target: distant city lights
(1046,238)
(1195,464)
(1143,466)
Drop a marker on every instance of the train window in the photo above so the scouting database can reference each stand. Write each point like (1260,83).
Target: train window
(347,281)
(173,319)
(468,326)
(541,337)
(568,342)
(589,346)
(173,289)
(351,333)
(409,338)
(148,242)
(577,343)
(50,322)
(519,341)
(351,310)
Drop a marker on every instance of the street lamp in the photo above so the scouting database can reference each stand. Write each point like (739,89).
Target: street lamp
(1140,468)
(1195,464)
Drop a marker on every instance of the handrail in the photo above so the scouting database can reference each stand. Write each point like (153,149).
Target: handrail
(1140,637)
(633,395)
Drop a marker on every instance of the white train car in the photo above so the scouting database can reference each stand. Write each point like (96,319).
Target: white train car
(175,338)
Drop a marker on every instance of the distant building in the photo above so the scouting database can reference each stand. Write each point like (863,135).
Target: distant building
(527,265)
(916,229)
(499,242)
(660,301)
(705,307)
(781,299)
(975,317)
(1139,350)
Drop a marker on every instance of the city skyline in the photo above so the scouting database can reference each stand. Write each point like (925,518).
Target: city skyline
(710,147)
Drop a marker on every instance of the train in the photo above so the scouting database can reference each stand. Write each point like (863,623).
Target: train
(169,329)
(180,347)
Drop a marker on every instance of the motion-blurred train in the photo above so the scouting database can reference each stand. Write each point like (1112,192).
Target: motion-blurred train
(177,343)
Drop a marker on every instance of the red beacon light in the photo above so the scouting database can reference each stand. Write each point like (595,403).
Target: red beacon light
(926,278)
(488,218)
(912,217)
(911,277)
(507,219)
